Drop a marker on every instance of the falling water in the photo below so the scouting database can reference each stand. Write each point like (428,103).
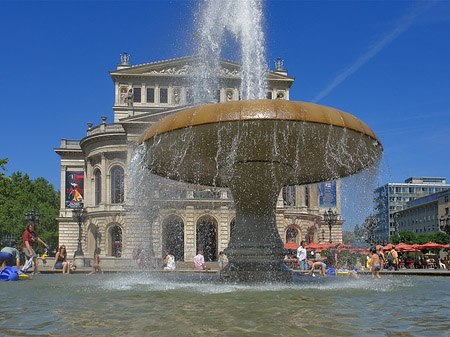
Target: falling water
(243,20)
(322,152)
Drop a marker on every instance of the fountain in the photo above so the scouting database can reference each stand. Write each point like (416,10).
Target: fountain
(255,147)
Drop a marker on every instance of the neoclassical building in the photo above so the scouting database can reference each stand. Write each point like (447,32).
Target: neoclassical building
(94,171)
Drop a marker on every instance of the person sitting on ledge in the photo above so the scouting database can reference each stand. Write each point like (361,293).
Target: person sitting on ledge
(318,264)
(61,260)
(199,261)
(169,262)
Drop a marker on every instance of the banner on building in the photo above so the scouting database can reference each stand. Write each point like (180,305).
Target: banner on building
(74,189)
(327,193)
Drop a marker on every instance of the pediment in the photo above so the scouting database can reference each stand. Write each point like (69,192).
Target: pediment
(186,66)
(175,67)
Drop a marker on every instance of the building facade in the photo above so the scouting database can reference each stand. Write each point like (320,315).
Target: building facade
(94,173)
(392,198)
(422,215)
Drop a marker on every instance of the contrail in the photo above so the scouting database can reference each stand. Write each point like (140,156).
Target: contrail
(403,24)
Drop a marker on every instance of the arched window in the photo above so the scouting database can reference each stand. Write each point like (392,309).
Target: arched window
(173,237)
(117,188)
(98,186)
(207,237)
(116,241)
(291,234)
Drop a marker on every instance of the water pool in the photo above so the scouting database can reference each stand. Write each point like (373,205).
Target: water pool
(155,305)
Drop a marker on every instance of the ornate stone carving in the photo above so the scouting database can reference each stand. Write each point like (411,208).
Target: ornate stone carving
(176,95)
(173,70)
(229,72)
(280,95)
(229,94)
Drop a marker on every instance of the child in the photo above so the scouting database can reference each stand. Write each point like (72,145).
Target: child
(96,262)
(319,264)
(375,263)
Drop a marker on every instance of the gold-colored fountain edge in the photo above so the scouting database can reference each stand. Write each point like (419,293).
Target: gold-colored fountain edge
(262,109)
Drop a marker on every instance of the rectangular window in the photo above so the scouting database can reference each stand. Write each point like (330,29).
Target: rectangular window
(150,95)
(269,95)
(137,95)
(163,98)
(289,196)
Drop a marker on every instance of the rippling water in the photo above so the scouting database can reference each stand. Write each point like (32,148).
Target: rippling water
(152,305)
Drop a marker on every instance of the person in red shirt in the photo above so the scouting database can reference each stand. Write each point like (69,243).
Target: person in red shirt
(29,239)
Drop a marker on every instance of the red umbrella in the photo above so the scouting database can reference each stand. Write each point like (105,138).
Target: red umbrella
(291,245)
(315,246)
(327,245)
(403,247)
(388,247)
(431,245)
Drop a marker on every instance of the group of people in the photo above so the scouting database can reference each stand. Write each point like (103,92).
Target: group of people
(10,256)
(331,261)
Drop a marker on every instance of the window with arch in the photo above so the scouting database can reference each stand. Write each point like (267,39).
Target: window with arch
(116,241)
(291,234)
(117,185)
(98,186)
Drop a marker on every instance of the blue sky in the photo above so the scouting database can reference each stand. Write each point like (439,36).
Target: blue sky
(386,62)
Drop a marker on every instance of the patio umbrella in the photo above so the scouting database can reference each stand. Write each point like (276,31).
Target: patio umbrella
(291,245)
(388,247)
(403,247)
(431,245)
(327,245)
(314,246)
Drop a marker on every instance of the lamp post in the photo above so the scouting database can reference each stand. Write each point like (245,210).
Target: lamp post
(79,215)
(330,218)
(444,225)
(33,216)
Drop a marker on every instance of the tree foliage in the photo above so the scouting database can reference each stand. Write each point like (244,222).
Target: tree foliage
(410,238)
(20,194)
(3,162)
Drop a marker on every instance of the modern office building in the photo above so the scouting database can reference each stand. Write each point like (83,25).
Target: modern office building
(422,215)
(392,198)
(94,175)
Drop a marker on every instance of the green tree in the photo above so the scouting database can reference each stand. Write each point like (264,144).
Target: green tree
(3,162)
(407,237)
(439,237)
(20,194)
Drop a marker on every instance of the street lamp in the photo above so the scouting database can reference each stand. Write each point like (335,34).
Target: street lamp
(32,216)
(330,219)
(444,225)
(79,215)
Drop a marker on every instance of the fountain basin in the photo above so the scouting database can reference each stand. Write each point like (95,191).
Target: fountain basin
(255,148)
(200,144)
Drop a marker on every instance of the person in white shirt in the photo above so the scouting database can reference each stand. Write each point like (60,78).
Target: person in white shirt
(301,256)
(169,261)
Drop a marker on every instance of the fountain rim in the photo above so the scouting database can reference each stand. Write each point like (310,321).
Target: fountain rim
(251,110)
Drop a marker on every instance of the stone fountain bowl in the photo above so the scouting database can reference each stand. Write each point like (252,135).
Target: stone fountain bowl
(200,145)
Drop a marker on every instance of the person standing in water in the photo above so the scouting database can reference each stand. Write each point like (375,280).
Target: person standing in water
(29,239)
(96,265)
